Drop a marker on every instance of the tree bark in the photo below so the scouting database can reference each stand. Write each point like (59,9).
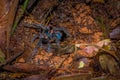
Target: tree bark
(7,14)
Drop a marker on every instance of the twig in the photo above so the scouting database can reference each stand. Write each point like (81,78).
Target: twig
(47,14)
(20,16)
(9,60)
(53,71)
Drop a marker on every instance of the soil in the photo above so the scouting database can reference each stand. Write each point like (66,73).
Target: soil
(86,21)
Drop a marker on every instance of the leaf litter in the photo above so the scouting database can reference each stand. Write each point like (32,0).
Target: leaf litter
(82,22)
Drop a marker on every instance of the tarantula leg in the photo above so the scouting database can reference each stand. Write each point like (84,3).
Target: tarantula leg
(40,26)
(57,40)
(62,29)
(34,38)
(33,25)
(58,36)
(34,52)
(58,45)
(39,44)
(48,47)
(65,31)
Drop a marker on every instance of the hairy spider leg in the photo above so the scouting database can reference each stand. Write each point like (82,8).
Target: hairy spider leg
(62,29)
(57,36)
(49,37)
(48,48)
(35,37)
(39,44)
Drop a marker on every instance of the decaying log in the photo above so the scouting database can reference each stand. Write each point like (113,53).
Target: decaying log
(80,76)
(35,77)
(7,14)
(26,68)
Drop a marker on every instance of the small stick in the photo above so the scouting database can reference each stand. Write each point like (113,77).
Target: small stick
(9,60)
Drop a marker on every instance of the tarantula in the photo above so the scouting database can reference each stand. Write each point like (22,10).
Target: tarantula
(48,35)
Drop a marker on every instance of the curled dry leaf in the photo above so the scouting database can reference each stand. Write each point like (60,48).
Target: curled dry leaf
(115,34)
(109,64)
(92,50)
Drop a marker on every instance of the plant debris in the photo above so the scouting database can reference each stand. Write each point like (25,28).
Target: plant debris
(63,40)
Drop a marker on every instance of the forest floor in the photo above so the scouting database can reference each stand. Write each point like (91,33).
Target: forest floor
(86,22)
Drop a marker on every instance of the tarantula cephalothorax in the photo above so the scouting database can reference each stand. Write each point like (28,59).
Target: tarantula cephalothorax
(48,35)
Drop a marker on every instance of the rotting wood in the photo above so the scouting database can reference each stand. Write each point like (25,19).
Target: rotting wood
(26,68)
(80,76)
(35,77)
(7,15)
(11,16)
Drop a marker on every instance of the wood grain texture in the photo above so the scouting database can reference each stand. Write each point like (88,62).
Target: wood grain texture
(7,14)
